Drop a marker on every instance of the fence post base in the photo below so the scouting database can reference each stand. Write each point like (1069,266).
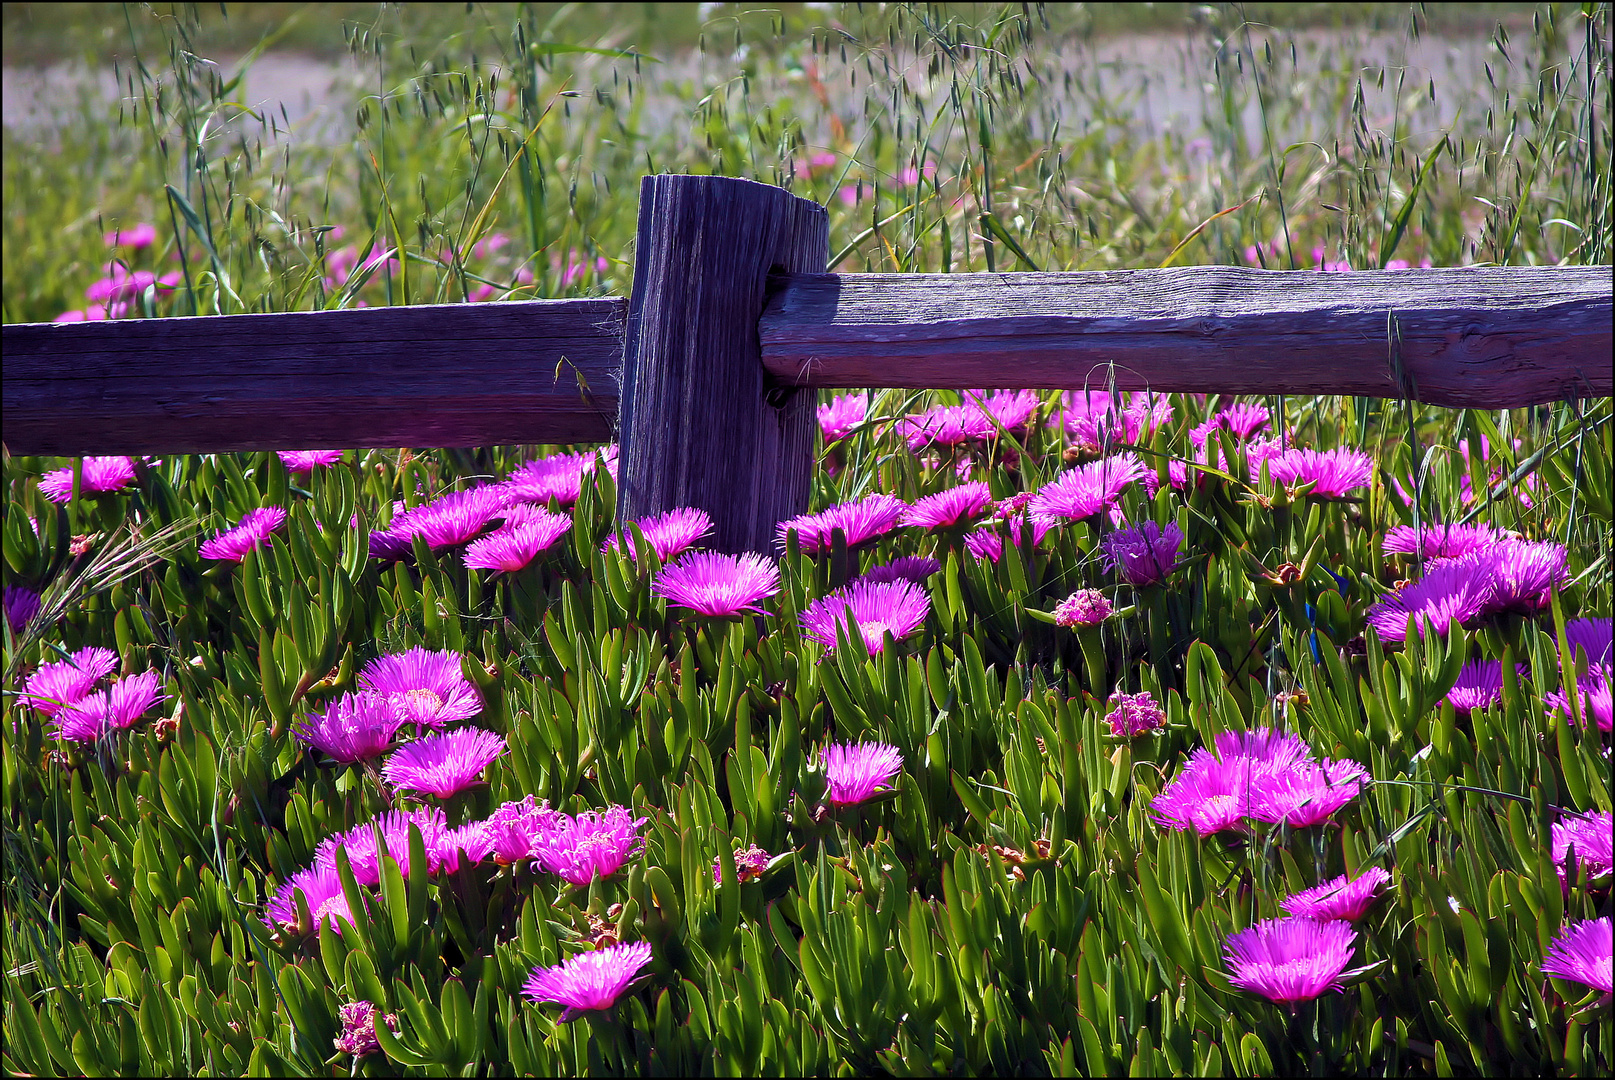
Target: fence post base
(700,422)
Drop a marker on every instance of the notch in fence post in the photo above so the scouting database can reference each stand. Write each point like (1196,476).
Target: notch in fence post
(700,422)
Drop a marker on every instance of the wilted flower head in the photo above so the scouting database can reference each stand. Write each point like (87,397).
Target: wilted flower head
(1479,686)
(1143,555)
(1582,953)
(515,545)
(422,686)
(306,461)
(1451,590)
(913,568)
(353,728)
(718,585)
(839,415)
(322,891)
(117,707)
(670,534)
(1339,898)
(861,521)
(749,865)
(589,845)
(1132,715)
(1086,607)
(878,606)
(21,606)
(61,683)
(441,765)
(590,981)
(1292,960)
(1439,541)
(955,506)
(1593,837)
(364,854)
(1088,489)
(857,771)
(251,531)
(1333,473)
(359,1029)
(98,475)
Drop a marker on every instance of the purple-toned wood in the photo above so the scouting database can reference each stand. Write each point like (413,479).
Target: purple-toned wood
(1484,338)
(701,423)
(439,375)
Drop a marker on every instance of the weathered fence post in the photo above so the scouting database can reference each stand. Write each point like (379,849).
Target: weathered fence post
(700,422)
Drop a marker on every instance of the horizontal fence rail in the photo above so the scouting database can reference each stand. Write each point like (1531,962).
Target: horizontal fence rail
(534,371)
(1482,338)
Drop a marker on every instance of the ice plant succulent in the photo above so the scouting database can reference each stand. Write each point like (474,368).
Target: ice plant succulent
(1262,774)
(354,727)
(590,845)
(364,853)
(857,772)
(1339,898)
(1289,961)
(1582,953)
(1085,607)
(98,475)
(839,415)
(1592,836)
(1479,686)
(423,686)
(717,585)
(1590,638)
(1594,691)
(1145,554)
(953,507)
(511,832)
(321,887)
(669,535)
(1333,474)
(590,981)
(559,477)
(899,607)
(1132,715)
(441,765)
(513,546)
(860,521)
(251,531)
(1522,573)
(358,1035)
(451,518)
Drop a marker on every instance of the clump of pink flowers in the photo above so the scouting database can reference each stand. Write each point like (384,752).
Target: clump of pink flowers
(1086,607)
(1132,715)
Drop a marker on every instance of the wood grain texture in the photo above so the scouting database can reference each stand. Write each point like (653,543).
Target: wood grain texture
(1486,338)
(438,375)
(701,425)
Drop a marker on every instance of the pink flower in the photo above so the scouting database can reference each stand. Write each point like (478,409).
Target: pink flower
(512,832)
(1292,960)
(915,568)
(589,982)
(1594,688)
(749,865)
(321,887)
(1479,686)
(1088,489)
(1332,473)
(306,461)
(670,534)
(1144,555)
(1582,953)
(878,606)
(512,547)
(441,765)
(1451,590)
(422,686)
(365,855)
(718,585)
(1523,574)
(1338,898)
(1262,774)
(856,772)
(21,606)
(590,845)
(1086,607)
(841,414)
(860,521)
(98,475)
(1593,838)
(559,477)
(452,518)
(62,683)
(141,236)
(253,530)
(1439,541)
(1589,638)
(987,545)
(353,728)
(1132,715)
(359,1028)
(117,707)
(955,506)
(1093,420)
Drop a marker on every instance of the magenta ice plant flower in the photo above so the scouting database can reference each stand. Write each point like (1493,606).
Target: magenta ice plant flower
(98,475)
(119,706)
(749,865)
(988,546)
(944,425)
(353,728)
(60,683)
(1088,489)
(589,981)
(513,546)
(364,854)
(1010,410)
(955,506)
(1291,960)
(861,521)
(1524,574)
(21,606)
(511,832)
(669,535)
(1590,638)
(590,845)
(1307,793)
(1582,953)
(321,887)
(1339,898)
(441,765)
(1264,774)
(1085,607)
(253,530)
(718,585)
(1593,837)
(1132,715)
(856,772)
(142,235)
(358,1036)
(878,606)
(452,518)
(913,568)
(306,461)
(1479,686)
(1333,473)
(423,686)
(1093,420)
(559,477)
(1594,688)
(1143,555)
(1452,590)
(1439,541)
(839,415)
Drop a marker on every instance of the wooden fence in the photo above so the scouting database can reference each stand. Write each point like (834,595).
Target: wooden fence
(706,375)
